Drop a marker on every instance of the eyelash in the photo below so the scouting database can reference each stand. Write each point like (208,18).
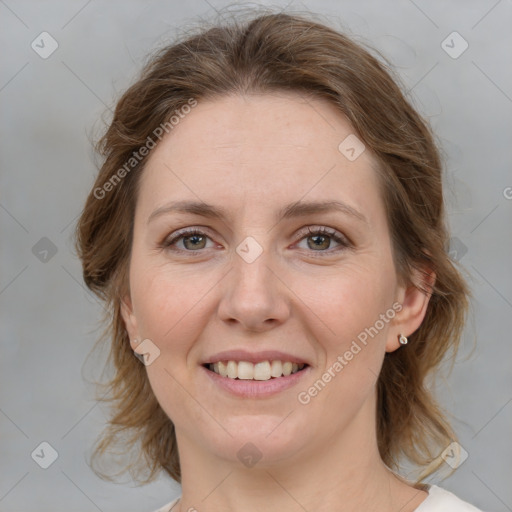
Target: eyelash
(322,231)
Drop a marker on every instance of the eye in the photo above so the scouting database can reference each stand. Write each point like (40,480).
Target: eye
(192,239)
(320,239)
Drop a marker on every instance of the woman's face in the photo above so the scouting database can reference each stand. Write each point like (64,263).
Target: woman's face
(259,282)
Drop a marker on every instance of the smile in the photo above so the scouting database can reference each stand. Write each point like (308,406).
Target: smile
(264,370)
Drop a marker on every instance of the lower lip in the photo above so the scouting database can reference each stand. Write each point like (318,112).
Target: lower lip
(256,388)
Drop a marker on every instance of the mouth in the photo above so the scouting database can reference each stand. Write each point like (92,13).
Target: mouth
(260,371)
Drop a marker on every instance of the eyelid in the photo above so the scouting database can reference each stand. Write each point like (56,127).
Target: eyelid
(325,230)
(183,232)
(343,241)
(339,237)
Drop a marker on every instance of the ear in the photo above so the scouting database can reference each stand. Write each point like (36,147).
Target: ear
(414,301)
(129,318)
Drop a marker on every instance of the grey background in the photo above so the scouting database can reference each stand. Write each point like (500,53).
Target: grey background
(51,107)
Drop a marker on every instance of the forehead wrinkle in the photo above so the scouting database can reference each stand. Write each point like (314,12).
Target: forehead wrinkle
(292,210)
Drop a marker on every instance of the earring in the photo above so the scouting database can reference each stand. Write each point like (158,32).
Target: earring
(402,339)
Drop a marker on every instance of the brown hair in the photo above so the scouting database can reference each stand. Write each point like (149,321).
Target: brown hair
(272,52)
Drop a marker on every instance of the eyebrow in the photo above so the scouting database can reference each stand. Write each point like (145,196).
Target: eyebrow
(295,209)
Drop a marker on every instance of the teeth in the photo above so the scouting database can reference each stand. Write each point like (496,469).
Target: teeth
(276,369)
(245,370)
(232,369)
(223,369)
(264,370)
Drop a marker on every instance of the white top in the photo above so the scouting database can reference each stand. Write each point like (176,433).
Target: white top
(438,500)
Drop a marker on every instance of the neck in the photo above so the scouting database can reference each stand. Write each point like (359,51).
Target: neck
(344,473)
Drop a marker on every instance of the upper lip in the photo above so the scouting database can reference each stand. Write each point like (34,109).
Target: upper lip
(253,357)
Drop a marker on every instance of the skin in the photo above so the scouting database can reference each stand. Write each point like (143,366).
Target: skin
(252,155)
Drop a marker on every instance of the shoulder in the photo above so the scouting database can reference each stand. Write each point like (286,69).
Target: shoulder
(167,508)
(441,500)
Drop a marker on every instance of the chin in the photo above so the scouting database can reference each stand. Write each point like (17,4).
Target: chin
(262,440)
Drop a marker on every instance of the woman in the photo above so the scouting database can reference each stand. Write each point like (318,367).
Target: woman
(268,230)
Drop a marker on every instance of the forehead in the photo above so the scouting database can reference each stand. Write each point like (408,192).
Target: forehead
(260,151)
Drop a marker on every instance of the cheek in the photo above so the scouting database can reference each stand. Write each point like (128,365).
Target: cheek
(170,304)
(350,299)
(172,311)
(354,306)
(352,338)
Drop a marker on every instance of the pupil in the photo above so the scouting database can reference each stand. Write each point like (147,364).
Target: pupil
(195,239)
(317,238)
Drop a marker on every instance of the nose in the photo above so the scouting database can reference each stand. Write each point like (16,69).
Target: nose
(254,296)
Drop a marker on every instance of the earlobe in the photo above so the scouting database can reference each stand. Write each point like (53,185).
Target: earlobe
(415,300)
